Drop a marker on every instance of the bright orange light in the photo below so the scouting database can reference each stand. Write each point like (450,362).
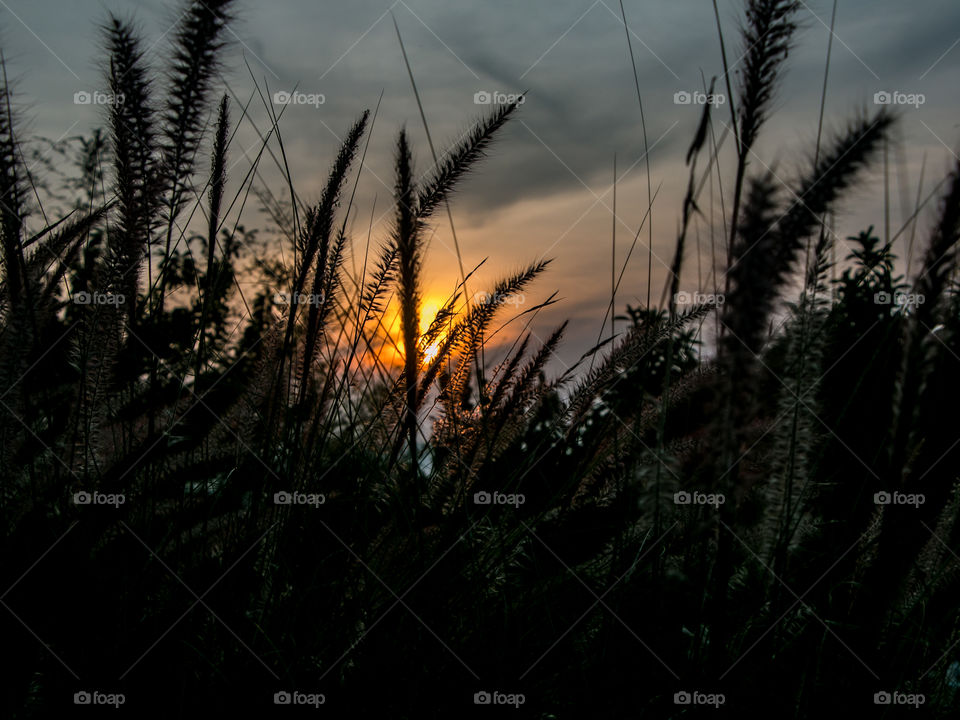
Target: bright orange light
(431,352)
(429,307)
(428,311)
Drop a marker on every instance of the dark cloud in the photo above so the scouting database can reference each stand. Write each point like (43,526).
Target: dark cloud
(581,109)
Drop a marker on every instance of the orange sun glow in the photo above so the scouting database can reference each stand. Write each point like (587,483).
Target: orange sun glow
(394,351)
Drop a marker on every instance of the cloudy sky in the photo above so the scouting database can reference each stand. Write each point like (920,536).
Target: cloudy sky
(547,187)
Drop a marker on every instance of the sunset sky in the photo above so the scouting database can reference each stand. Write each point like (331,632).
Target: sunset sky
(546,189)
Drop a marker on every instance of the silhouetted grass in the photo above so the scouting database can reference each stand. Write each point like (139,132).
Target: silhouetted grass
(529,535)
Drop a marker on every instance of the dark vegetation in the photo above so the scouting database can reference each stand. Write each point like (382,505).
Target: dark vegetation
(399,596)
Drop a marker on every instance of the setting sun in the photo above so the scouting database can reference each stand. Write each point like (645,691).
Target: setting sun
(428,311)
(429,307)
